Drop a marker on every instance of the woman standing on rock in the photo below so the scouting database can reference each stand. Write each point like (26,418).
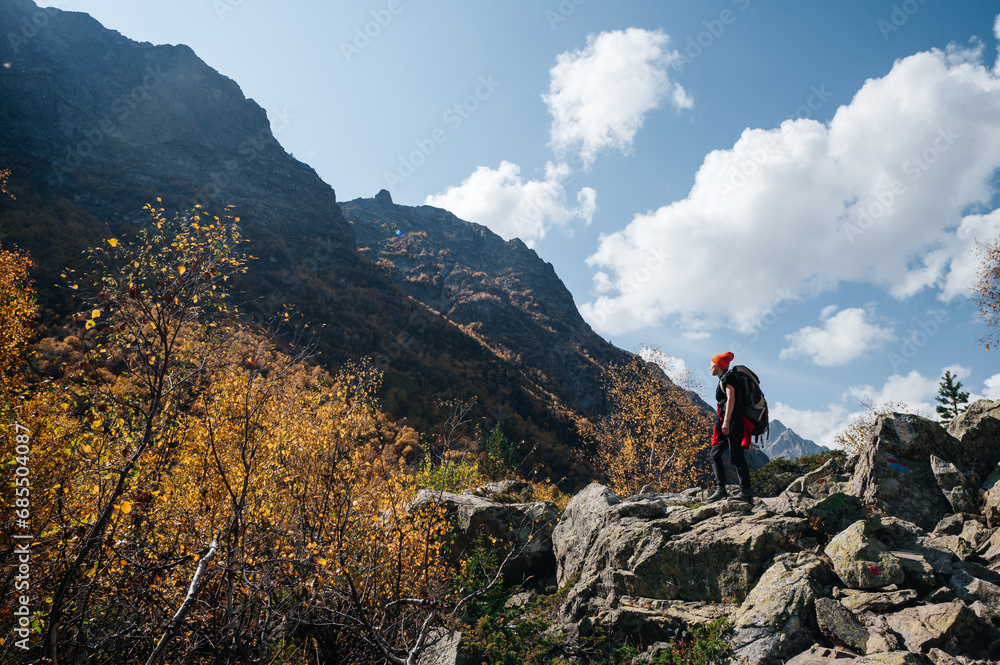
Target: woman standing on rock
(728,431)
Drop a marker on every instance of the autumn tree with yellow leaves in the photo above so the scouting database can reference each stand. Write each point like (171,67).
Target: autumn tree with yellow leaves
(654,431)
(200,492)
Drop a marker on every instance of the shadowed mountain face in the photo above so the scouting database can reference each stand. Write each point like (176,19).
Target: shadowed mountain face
(94,125)
(93,106)
(499,291)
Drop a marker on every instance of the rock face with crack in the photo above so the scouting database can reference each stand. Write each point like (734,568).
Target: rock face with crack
(658,547)
(952,484)
(894,472)
(775,621)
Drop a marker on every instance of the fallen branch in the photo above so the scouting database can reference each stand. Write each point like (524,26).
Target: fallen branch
(185,607)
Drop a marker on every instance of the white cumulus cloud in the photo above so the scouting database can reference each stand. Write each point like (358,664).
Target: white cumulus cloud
(878,195)
(599,95)
(514,207)
(845,336)
(913,392)
(992,385)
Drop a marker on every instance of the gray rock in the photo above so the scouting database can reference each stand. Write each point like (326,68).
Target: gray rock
(978,428)
(525,526)
(840,625)
(861,560)
(991,506)
(950,626)
(652,652)
(501,487)
(869,601)
(774,621)
(894,658)
(818,655)
(652,549)
(520,600)
(942,595)
(971,588)
(951,525)
(975,533)
(990,550)
(952,485)
(893,472)
(918,573)
(942,658)
(900,535)
(444,647)
(651,620)
(881,638)
(579,523)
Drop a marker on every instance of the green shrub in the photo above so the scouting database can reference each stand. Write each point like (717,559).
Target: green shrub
(498,462)
(772,478)
(708,646)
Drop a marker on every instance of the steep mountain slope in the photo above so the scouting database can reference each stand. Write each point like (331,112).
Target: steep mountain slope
(783,442)
(94,125)
(500,291)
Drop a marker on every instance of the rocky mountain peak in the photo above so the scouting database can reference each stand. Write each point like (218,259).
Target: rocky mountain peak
(500,291)
(95,107)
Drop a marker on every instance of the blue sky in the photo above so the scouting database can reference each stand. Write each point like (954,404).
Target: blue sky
(799,182)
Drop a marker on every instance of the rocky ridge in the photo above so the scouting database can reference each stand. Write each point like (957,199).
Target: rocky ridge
(892,556)
(94,125)
(499,291)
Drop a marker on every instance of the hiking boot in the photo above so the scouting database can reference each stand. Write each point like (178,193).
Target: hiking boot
(720,493)
(744,495)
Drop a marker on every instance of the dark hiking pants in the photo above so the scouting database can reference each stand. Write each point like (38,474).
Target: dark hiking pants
(733,443)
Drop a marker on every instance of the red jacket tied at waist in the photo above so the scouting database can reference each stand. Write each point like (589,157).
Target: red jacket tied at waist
(747,431)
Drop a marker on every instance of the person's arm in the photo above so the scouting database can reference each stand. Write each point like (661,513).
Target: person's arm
(730,402)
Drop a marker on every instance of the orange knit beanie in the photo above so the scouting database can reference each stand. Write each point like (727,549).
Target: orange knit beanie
(723,359)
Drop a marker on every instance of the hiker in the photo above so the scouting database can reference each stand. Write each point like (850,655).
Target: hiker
(730,431)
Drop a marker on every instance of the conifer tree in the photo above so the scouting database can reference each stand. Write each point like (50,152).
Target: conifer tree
(951,396)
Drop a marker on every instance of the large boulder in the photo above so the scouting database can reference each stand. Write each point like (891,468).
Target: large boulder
(527,527)
(579,523)
(952,627)
(444,647)
(861,560)
(875,601)
(952,484)
(658,547)
(840,625)
(969,585)
(894,473)
(775,620)
(978,428)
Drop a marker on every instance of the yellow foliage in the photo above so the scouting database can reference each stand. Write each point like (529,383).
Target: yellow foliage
(654,432)
(168,433)
(859,430)
(17,310)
